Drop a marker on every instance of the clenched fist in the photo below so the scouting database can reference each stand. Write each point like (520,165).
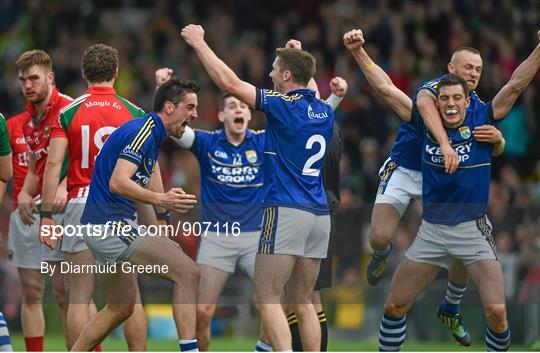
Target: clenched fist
(338,86)
(193,35)
(354,39)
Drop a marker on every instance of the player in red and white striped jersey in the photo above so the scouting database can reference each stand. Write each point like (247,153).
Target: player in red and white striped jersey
(44,102)
(82,128)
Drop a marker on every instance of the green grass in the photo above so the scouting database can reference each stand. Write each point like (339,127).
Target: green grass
(229,344)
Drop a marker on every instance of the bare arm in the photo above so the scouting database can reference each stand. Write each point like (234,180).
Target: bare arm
(28,191)
(121,184)
(522,76)
(51,178)
(396,99)
(218,71)
(425,102)
(6,168)
(490,134)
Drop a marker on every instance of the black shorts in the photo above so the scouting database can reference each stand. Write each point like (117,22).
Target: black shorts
(325,272)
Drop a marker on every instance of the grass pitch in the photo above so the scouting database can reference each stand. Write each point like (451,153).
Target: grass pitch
(247,344)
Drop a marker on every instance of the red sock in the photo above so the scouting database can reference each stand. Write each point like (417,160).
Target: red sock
(98,348)
(34,344)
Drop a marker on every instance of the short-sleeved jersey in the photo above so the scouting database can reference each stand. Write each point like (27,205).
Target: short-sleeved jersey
(37,131)
(408,141)
(5,148)
(137,141)
(231,178)
(19,150)
(298,131)
(450,199)
(86,123)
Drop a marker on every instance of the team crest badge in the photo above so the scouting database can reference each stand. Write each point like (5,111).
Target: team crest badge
(251,156)
(149,165)
(465,132)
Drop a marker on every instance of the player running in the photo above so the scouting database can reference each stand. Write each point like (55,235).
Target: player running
(30,131)
(296,222)
(125,174)
(83,127)
(454,222)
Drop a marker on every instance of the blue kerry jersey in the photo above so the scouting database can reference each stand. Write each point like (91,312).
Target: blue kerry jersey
(298,132)
(137,141)
(450,199)
(408,141)
(231,179)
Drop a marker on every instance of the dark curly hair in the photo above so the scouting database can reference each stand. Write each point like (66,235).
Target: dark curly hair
(99,63)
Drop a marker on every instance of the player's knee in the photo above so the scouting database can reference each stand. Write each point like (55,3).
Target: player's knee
(205,312)
(496,317)
(301,310)
(379,237)
(60,294)
(121,311)
(396,309)
(33,292)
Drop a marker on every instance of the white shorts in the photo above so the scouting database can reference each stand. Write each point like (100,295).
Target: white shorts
(398,186)
(290,231)
(72,217)
(108,246)
(24,248)
(439,245)
(224,252)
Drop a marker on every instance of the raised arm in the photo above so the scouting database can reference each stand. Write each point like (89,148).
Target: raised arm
(425,102)
(522,76)
(396,99)
(338,87)
(219,72)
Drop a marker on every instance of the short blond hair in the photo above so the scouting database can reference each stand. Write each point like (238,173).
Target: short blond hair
(34,57)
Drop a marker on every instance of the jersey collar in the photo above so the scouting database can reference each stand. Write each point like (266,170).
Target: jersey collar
(302,91)
(159,125)
(100,90)
(31,108)
(223,136)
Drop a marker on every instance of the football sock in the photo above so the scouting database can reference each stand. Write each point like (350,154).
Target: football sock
(188,345)
(295,333)
(5,342)
(34,344)
(392,333)
(324,331)
(497,342)
(454,294)
(263,347)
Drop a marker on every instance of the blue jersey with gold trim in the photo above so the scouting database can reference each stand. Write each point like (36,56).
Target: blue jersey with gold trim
(298,131)
(137,141)
(231,179)
(450,199)
(408,142)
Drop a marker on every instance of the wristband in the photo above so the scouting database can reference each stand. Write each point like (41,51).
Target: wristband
(163,216)
(45,214)
(334,101)
(367,68)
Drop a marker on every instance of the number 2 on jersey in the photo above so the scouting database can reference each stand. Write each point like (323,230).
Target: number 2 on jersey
(307,170)
(98,141)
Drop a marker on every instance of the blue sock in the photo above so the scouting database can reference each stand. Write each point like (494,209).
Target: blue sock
(188,345)
(497,342)
(263,347)
(452,300)
(5,342)
(392,333)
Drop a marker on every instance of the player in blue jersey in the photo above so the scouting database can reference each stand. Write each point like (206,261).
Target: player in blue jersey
(125,175)
(454,219)
(401,183)
(231,179)
(296,222)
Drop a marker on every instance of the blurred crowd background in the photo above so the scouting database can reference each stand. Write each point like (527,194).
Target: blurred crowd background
(411,40)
